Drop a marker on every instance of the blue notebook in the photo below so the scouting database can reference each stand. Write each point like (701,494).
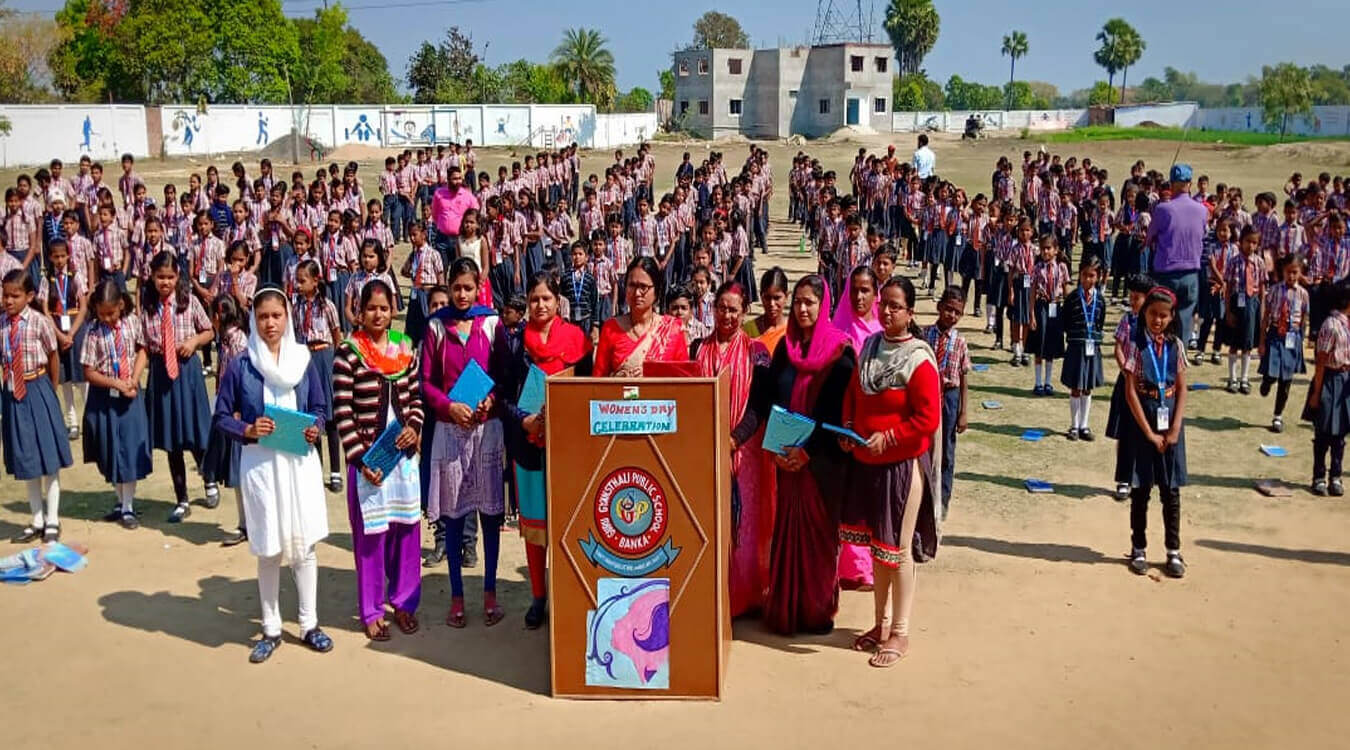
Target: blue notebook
(384,455)
(1039,486)
(991,405)
(532,394)
(980,368)
(289,435)
(1274,451)
(786,430)
(1032,436)
(1198,387)
(844,432)
(472,387)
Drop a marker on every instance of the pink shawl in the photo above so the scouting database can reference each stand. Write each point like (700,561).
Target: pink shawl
(812,360)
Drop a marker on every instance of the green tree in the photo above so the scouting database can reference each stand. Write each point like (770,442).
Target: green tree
(715,30)
(1286,89)
(446,69)
(1043,95)
(969,95)
(1015,45)
(917,92)
(320,75)
(25,43)
(426,72)
(368,76)
(1154,90)
(913,27)
(1131,48)
(1116,43)
(587,66)
(1102,92)
(1330,87)
(1018,95)
(531,83)
(667,80)
(257,52)
(637,99)
(83,61)
(157,53)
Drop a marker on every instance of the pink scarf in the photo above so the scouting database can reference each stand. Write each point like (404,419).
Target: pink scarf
(812,359)
(857,329)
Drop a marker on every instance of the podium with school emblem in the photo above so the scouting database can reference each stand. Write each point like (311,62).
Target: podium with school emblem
(639,529)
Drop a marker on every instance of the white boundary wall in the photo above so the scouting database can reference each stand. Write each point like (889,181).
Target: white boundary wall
(955,121)
(1325,121)
(39,133)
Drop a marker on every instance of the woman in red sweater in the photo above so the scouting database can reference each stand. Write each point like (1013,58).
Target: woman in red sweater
(892,498)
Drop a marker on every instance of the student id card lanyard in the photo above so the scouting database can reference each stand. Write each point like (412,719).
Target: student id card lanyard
(119,355)
(1089,320)
(62,284)
(1160,372)
(1291,332)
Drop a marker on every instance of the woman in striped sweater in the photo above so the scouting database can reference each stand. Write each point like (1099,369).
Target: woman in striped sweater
(375,384)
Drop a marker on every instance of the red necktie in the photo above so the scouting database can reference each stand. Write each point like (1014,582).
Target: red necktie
(170,346)
(17,383)
(123,356)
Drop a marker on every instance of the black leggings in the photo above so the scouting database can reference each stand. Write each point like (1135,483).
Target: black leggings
(1203,336)
(1171,507)
(1322,445)
(334,447)
(178,473)
(1281,391)
(492,542)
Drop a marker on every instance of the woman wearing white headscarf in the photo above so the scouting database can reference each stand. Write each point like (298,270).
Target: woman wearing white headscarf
(283,492)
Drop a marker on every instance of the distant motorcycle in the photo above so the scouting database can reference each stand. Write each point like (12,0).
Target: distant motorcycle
(974,128)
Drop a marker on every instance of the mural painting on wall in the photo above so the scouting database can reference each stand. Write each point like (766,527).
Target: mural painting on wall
(460,131)
(362,131)
(262,138)
(409,127)
(87,135)
(185,126)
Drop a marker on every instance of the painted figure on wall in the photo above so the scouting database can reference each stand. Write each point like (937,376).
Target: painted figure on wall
(262,139)
(362,130)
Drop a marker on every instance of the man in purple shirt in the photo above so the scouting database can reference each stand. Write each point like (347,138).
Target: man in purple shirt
(448,205)
(1175,237)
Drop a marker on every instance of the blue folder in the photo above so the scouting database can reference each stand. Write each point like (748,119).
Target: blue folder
(289,435)
(1039,486)
(383,454)
(472,387)
(786,430)
(844,432)
(1032,436)
(532,394)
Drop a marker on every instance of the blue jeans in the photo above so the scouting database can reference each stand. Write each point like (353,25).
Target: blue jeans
(1186,285)
(448,247)
(393,215)
(951,405)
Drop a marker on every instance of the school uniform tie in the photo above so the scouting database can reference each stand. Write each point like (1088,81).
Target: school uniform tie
(122,354)
(17,384)
(166,335)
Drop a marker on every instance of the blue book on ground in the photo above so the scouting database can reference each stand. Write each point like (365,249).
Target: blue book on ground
(472,387)
(991,405)
(786,430)
(1039,486)
(532,394)
(383,454)
(1032,436)
(1274,451)
(289,435)
(844,432)
(980,368)
(1198,387)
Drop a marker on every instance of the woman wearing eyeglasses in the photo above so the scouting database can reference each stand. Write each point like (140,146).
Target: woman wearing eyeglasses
(644,334)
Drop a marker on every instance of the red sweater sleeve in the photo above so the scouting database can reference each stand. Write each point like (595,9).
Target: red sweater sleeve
(925,406)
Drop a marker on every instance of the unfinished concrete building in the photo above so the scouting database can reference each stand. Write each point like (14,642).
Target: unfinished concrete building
(774,93)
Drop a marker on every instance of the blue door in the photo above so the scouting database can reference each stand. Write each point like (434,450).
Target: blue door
(852,113)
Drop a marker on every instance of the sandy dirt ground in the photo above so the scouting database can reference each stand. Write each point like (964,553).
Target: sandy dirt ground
(1028,629)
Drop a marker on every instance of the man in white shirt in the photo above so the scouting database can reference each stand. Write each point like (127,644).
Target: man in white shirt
(925,161)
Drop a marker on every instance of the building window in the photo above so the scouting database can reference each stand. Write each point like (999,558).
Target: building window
(735,107)
(879,105)
(684,68)
(824,106)
(703,106)
(881,64)
(684,106)
(702,66)
(734,65)
(856,62)
(792,93)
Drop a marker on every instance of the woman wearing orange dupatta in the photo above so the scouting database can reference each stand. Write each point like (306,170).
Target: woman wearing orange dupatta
(551,344)
(768,328)
(728,349)
(644,334)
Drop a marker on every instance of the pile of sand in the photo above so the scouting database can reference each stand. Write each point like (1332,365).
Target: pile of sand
(1328,153)
(285,149)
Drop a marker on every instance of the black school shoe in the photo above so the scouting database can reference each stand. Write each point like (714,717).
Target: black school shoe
(1086,434)
(1176,566)
(1337,489)
(1138,562)
(468,557)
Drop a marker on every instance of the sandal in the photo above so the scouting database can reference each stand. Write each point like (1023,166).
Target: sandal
(868,641)
(882,659)
(493,615)
(406,622)
(317,640)
(455,618)
(377,631)
(263,648)
(31,532)
(129,520)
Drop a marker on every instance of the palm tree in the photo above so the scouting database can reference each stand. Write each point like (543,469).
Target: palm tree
(587,66)
(1115,37)
(1014,46)
(1131,49)
(913,26)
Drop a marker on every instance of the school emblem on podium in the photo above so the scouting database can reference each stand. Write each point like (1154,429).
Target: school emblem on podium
(631,518)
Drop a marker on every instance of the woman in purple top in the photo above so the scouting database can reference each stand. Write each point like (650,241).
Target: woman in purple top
(466,448)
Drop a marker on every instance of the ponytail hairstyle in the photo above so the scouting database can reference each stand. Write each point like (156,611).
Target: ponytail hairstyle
(182,294)
(380,253)
(310,267)
(906,288)
(228,313)
(107,292)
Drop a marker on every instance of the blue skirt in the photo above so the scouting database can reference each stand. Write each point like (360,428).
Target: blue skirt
(1125,256)
(1019,305)
(968,264)
(1279,361)
(322,362)
(1210,306)
(1332,415)
(337,292)
(935,247)
(221,462)
(178,410)
(72,371)
(415,323)
(1047,340)
(1244,334)
(997,286)
(1139,463)
(746,278)
(1081,372)
(35,439)
(116,436)
(1119,410)
(534,260)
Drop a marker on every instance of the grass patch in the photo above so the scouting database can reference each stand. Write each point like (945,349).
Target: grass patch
(1233,137)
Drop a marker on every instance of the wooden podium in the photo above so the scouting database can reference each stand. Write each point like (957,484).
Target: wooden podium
(639,531)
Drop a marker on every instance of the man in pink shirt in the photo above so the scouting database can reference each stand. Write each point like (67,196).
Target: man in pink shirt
(448,205)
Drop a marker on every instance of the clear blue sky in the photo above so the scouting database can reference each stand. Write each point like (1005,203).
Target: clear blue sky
(1222,42)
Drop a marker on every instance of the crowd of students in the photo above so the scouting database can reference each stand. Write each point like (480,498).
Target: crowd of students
(291,286)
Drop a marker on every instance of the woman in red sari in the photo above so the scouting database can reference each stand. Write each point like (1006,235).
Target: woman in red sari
(644,334)
(809,374)
(729,349)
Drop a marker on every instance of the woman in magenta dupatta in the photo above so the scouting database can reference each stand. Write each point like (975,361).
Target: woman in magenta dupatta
(809,374)
(729,349)
(857,318)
